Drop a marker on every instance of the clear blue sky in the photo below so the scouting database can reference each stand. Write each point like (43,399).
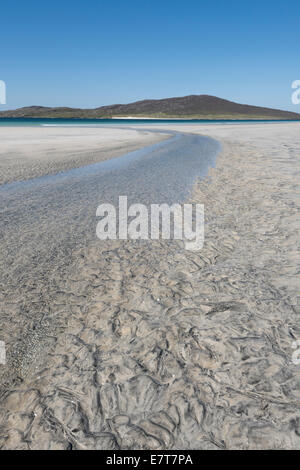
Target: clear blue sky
(87,54)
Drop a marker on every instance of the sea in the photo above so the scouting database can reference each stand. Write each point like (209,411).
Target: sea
(7,122)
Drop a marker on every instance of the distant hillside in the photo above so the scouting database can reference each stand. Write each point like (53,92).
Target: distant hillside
(189,107)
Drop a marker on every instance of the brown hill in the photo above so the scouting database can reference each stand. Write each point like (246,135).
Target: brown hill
(189,107)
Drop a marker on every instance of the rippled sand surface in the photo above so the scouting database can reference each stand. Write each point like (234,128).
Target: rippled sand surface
(156,347)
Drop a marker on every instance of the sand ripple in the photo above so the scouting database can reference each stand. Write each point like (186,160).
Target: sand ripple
(161,348)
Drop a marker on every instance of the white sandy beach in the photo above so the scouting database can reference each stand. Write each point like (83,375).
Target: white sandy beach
(28,152)
(162,348)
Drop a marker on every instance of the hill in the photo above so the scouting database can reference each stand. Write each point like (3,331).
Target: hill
(187,107)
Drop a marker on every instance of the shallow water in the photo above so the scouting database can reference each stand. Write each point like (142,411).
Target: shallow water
(45,220)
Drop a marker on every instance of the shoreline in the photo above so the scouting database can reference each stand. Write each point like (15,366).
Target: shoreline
(166,348)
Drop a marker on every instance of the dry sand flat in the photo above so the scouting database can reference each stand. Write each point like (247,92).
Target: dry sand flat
(28,152)
(169,349)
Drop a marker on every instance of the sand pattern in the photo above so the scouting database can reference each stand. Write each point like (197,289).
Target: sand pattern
(157,347)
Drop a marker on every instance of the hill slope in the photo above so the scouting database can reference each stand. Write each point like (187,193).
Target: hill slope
(193,106)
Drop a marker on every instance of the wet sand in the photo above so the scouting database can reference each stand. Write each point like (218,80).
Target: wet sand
(30,152)
(46,221)
(156,347)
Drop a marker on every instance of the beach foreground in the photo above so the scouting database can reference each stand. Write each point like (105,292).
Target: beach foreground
(162,348)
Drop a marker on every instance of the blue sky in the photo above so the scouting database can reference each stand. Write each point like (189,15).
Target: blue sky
(92,53)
